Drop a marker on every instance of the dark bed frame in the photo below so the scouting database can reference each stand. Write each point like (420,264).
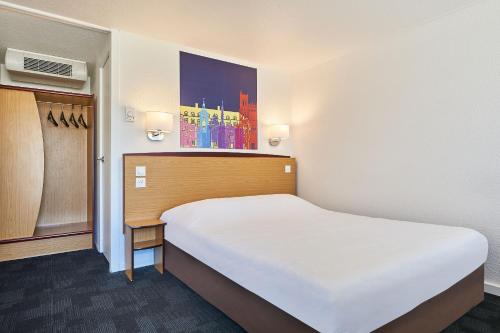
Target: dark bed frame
(255,314)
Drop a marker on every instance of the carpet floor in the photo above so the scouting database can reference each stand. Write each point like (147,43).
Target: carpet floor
(74,292)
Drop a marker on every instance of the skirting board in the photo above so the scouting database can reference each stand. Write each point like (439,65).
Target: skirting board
(492,288)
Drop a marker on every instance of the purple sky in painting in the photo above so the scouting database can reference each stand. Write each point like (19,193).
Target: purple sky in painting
(215,80)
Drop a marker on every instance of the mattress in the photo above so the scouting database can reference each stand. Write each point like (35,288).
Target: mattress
(335,272)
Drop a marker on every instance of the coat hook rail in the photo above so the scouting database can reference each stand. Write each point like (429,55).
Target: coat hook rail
(65,104)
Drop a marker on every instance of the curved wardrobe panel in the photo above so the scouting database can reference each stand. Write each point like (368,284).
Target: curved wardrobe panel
(21,164)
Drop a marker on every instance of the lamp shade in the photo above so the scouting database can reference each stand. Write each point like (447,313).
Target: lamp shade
(279,132)
(159,121)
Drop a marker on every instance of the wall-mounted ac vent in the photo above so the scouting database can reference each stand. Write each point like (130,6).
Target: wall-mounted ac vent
(41,68)
(44,66)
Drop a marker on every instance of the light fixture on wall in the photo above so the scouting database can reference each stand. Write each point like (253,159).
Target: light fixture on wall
(277,133)
(157,124)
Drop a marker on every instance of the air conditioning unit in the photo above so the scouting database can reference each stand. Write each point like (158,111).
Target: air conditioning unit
(45,69)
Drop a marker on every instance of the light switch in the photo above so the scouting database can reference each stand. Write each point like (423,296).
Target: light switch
(140,171)
(288,168)
(129,114)
(140,182)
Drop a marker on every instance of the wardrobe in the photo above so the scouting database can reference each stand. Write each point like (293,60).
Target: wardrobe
(46,172)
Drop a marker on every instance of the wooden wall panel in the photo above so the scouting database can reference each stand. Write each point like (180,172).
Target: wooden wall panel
(65,190)
(175,180)
(22,164)
(34,248)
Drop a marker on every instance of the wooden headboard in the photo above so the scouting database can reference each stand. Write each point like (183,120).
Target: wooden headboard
(173,179)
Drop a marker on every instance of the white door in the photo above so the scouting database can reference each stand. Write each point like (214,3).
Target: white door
(103,152)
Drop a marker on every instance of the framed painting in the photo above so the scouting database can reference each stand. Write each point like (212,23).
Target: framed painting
(218,104)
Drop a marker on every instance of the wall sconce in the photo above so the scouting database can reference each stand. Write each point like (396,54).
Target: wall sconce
(277,133)
(157,124)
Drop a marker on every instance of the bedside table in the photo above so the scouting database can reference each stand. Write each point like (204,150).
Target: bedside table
(152,238)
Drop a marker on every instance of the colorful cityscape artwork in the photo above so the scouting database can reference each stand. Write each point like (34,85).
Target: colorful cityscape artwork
(218,104)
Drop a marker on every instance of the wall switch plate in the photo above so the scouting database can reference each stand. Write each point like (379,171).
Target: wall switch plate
(140,171)
(129,114)
(288,168)
(140,182)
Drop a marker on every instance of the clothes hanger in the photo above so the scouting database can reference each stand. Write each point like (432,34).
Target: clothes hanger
(72,117)
(81,121)
(50,117)
(62,118)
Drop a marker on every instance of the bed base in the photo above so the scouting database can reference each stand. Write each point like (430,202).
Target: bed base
(255,314)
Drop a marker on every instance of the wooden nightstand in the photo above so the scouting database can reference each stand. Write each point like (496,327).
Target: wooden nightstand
(143,240)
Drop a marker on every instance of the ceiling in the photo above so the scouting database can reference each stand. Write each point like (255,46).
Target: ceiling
(289,34)
(26,32)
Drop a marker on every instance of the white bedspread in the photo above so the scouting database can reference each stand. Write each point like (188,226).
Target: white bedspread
(335,272)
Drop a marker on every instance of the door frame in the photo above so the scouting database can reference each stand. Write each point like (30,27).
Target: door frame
(100,165)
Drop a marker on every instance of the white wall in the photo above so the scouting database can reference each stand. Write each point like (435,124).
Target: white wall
(145,75)
(409,127)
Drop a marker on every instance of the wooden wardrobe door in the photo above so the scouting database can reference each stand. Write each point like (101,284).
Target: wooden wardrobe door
(21,163)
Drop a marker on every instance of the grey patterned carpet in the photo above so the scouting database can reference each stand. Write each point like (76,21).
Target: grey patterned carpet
(74,292)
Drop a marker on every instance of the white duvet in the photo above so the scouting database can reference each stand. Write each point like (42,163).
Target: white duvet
(335,272)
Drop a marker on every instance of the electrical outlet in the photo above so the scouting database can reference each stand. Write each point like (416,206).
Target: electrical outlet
(140,182)
(140,171)
(288,168)
(129,114)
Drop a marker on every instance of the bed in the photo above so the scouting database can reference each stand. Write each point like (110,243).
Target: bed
(334,272)
(274,262)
